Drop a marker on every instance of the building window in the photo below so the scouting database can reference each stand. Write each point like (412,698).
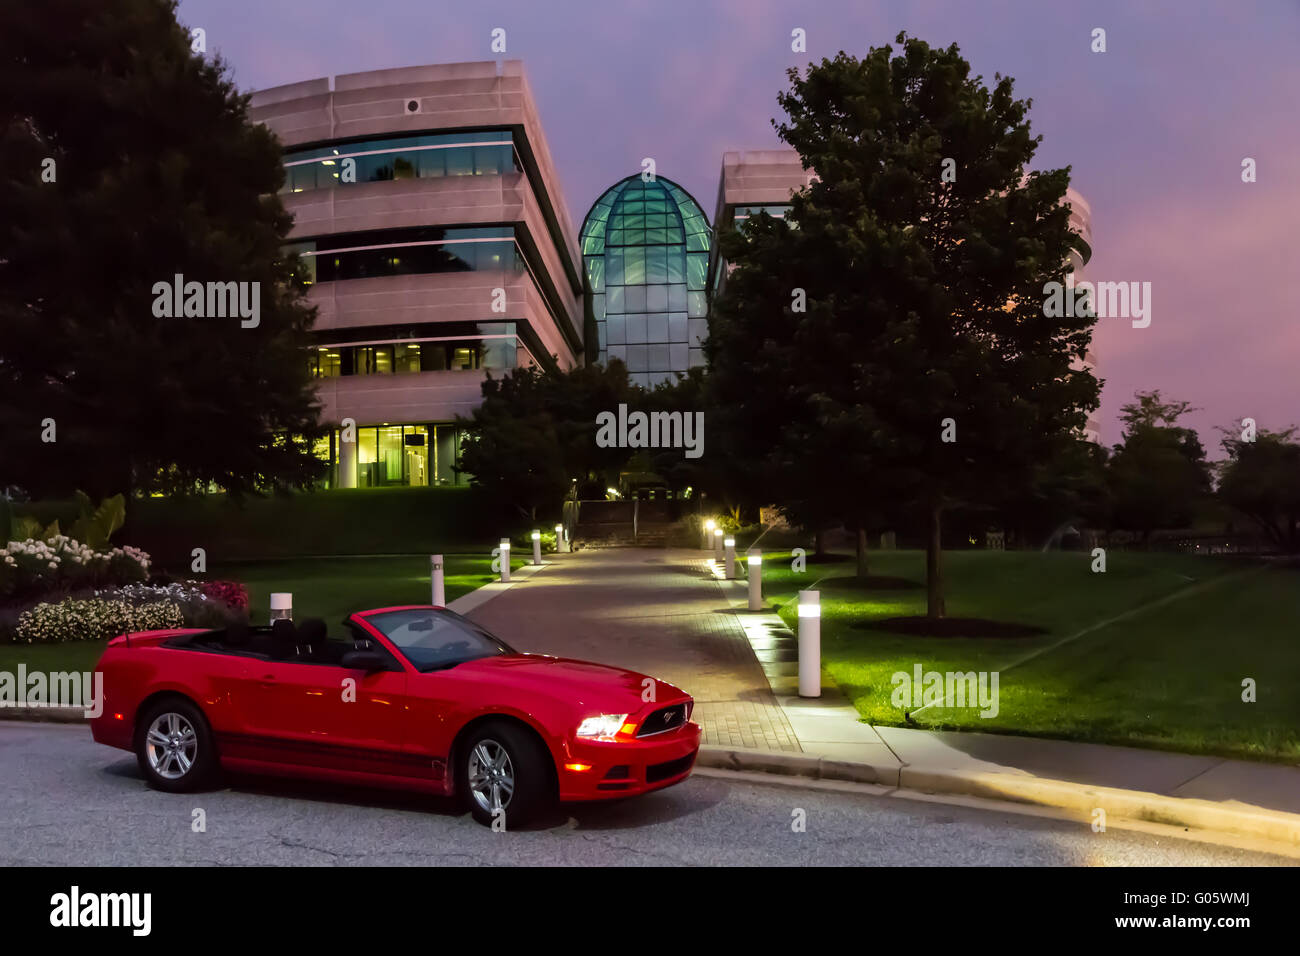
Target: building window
(484,153)
(646,251)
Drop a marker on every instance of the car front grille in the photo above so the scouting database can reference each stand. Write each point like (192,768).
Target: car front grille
(672,768)
(664,719)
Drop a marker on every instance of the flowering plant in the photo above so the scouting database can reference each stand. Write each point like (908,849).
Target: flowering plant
(62,562)
(93,619)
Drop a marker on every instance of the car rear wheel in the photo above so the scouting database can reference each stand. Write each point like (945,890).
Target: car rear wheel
(173,745)
(505,774)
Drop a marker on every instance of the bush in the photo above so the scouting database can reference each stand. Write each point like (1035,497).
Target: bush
(232,594)
(39,567)
(93,619)
(198,608)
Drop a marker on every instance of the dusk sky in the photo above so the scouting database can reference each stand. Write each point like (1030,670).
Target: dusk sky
(1155,130)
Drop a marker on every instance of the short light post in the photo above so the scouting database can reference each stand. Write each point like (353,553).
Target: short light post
(505,559)
(755,561)
(281,606)
(810,644)
(561,542)
(730,545)
(437,581)
(708,534)
(537,547)
(717,545)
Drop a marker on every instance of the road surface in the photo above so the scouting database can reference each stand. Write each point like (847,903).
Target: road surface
(66,800)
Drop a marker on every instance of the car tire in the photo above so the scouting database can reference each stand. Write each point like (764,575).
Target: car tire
(174,746)
(524,779)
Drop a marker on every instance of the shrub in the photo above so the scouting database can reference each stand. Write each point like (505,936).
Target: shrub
(61,562)
(93,619)
(232,594)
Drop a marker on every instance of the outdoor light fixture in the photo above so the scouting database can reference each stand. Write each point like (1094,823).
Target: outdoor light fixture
(537,536)
(754,560)
(710,524)
(810,610)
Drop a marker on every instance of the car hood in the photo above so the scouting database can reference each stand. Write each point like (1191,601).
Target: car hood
(590,686)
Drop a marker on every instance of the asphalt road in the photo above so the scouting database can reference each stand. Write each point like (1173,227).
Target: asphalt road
(68,801)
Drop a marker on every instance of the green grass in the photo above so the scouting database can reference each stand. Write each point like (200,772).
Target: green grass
(1166,677)
(328,588)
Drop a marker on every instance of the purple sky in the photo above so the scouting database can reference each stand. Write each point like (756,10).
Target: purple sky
(1155,130)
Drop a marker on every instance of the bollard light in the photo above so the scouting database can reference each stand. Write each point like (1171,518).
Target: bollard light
(730,545)
(561,544)
(708,533)
(505,559)
(717,545)
(439,585)
(281,606)
(537,547)
(755,560)
(810,644)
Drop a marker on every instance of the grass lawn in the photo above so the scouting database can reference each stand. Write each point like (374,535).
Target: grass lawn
(1169,676)
(328,588)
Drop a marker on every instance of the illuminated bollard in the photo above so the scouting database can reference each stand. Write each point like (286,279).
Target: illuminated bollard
(755,560)
(505,559)
(810,644)
(717,545)
(537,547)
(708,534)
(561,542)
(439,583)
(281,606)
(730,545)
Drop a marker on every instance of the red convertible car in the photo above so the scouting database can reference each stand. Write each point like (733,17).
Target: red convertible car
(416,698)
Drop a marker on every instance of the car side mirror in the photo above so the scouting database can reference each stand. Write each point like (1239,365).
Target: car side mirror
(364,661)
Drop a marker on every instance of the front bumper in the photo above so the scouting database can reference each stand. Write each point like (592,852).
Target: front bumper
(624,768)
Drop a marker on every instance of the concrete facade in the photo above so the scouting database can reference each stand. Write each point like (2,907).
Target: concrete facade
(369,112)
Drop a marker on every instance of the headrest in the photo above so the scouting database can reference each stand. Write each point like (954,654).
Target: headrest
(311,632)
(284,637)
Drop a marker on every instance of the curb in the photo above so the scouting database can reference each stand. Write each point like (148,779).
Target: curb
(48,715)
(1190,813)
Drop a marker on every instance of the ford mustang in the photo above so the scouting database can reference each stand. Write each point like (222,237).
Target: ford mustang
(414,697)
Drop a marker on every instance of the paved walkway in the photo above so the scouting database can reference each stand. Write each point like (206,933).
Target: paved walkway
(650,610)
(667,613)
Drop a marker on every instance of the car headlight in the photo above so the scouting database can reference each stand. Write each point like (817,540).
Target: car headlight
(606,725)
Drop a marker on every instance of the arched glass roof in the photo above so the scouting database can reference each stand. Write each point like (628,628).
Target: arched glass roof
(645,246)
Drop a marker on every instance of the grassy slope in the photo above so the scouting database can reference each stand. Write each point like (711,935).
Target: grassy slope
(1166,677)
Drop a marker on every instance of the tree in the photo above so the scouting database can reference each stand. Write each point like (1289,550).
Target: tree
(1261,479)
(1158,473)
(130,159)
(535,433)
(925,316)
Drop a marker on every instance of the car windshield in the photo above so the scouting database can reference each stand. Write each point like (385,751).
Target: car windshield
(435,639)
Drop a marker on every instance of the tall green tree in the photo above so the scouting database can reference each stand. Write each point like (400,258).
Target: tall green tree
(129,158)
(1157,474)
(1261,479)
(535,433)
(923,369)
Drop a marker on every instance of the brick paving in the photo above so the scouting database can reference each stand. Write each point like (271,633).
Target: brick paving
(658,611)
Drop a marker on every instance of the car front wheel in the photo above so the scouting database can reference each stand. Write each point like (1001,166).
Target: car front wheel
(505,776)
(173,746)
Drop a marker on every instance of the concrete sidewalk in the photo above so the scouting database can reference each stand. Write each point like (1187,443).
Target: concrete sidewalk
(668,613)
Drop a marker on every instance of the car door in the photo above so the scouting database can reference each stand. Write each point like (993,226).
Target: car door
(310,712)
